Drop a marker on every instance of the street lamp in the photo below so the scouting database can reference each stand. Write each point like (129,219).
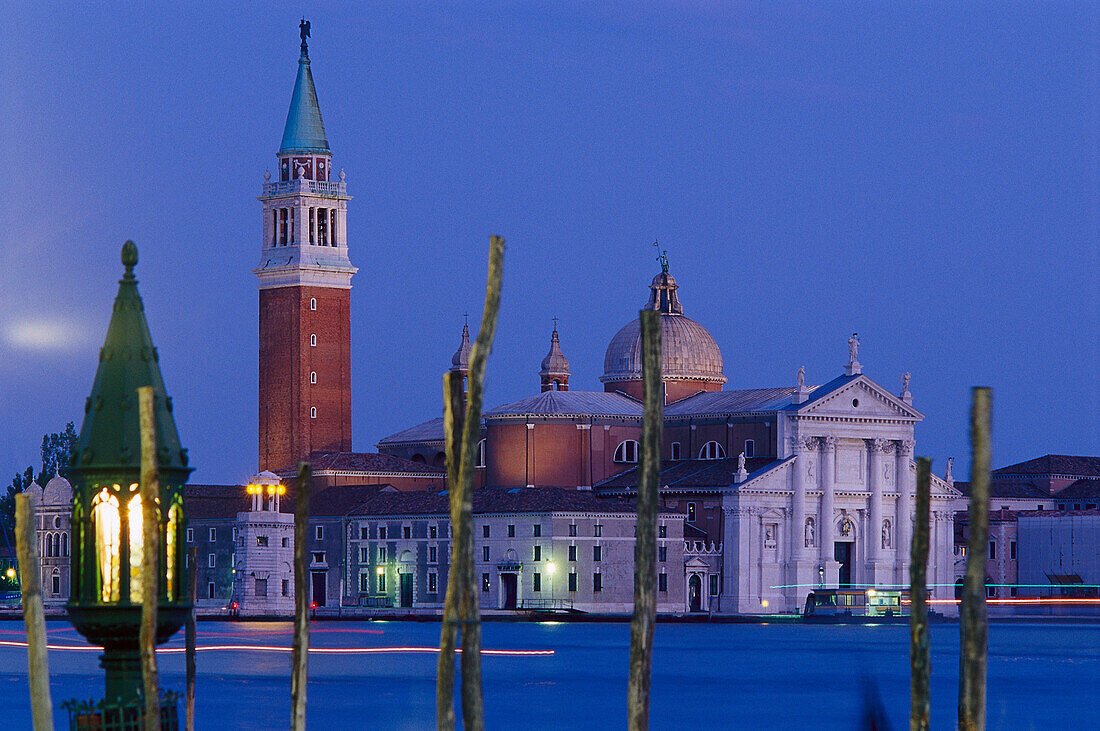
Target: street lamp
(106,561)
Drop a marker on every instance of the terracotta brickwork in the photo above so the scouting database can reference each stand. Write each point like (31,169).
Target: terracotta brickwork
(287,431)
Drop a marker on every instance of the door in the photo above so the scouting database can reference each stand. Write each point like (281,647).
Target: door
(406,590)
(842,552)
(510,585)
(318,588)
(695,593)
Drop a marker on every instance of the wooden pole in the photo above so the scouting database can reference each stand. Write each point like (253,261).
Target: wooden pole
(920,704)
(453,419)
(189,637)
(645,543)
(301,600)
(38,671)
(973,621)
(150,566)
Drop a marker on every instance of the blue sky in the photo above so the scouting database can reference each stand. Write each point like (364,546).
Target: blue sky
(925,174)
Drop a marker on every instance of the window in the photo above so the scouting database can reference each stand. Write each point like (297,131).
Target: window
(261,541)
(312,300)
(313,412)
(286,543)
(64,544)
(364,582)
(572,582)
(485,582)
(485,531)
(572,529)
(210,590)
(406,532)
(662,531)
(286,587)
(433,554)
(676,450)
(1012,550)
(313,377)
(318,556)
(662,582)
(190,535)
(433,582)
(750,448)
(597,530)
(312,340)
(213,534)
(1012,591)
(484,553)
(538,553)
(382,583)
(479,458)
(538,530)
(210,561)
(992,550)
(511,531)
(627,452)
(536,582)
(712,450)
(572,553)
(381,554)
(381,532)
(364,533)
(433,531)
(597,553)
(662,553)
(57,583)
(714,584)
(261,587)
(319,532)
(597,582)
(1040,507)
(691,512)
(364,554)
(57,521)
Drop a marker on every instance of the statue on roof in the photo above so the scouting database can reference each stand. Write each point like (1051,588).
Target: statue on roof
(905,383)
(303,31)
(853,347)
(741,462)
(948,477)
(801,376)
(662,258)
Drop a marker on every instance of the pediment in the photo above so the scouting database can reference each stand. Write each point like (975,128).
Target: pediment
(861,397)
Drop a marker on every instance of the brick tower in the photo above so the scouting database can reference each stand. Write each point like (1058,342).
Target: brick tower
(305,291)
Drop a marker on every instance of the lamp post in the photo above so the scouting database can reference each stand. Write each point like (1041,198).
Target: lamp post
(105,471)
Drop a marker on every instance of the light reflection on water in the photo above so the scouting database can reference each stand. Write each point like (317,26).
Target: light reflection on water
(704,675)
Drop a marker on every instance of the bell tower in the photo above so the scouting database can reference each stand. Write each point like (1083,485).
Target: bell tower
(305,291)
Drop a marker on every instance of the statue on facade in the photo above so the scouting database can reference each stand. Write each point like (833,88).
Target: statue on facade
(886,534)
(853,347)
(801,376)
(809,533)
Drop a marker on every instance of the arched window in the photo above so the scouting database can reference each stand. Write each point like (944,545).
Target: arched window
(56,544)
(750,448)
(313,412)
(64,544)
(312,341)
(418,458)
(313,303)
(627,452)
(712,450)
(479,459)
(313,376)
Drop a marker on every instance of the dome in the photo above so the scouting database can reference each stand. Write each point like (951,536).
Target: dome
(554,363)
(460,361)
(688,351)
(57,491)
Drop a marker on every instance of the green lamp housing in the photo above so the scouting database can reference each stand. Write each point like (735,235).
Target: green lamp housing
(105,472)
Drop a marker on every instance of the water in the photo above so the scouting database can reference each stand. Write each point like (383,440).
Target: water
(705,676)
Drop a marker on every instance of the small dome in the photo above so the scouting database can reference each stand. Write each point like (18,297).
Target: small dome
(688,351)
(58,491)
(460,361)
(554,363)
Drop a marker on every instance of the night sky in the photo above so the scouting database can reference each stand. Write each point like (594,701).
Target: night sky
(927,175)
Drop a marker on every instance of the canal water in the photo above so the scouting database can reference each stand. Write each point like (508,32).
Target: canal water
(705,676)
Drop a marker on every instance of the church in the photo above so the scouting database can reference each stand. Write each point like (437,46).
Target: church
(781,489)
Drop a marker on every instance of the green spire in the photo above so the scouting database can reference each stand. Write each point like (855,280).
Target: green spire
(110,438)
(304,131)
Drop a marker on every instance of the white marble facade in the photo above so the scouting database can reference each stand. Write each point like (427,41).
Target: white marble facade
(842,488)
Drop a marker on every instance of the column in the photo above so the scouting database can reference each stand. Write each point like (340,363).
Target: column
(825,518)
(875,448)
(803,454)
(904,516)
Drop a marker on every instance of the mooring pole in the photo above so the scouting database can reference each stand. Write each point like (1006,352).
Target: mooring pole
(645,543)
(453,418)
(300,650)
(150,554)
(920,662)
(189,637)
(973,619)
(38,671)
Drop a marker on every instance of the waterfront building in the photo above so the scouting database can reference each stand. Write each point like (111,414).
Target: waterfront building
(53,514)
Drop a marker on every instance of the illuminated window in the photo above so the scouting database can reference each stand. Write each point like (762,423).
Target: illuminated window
(662,531)
(750,448)
(313,377)
(364,582)
(536,582)
(485,582)
(433,582)
(433,531)
(691,512)
(662,582)
(712,450)
(313,412)
(261,541)
(675,450)
(627,452)
(312,340)
(572,582)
